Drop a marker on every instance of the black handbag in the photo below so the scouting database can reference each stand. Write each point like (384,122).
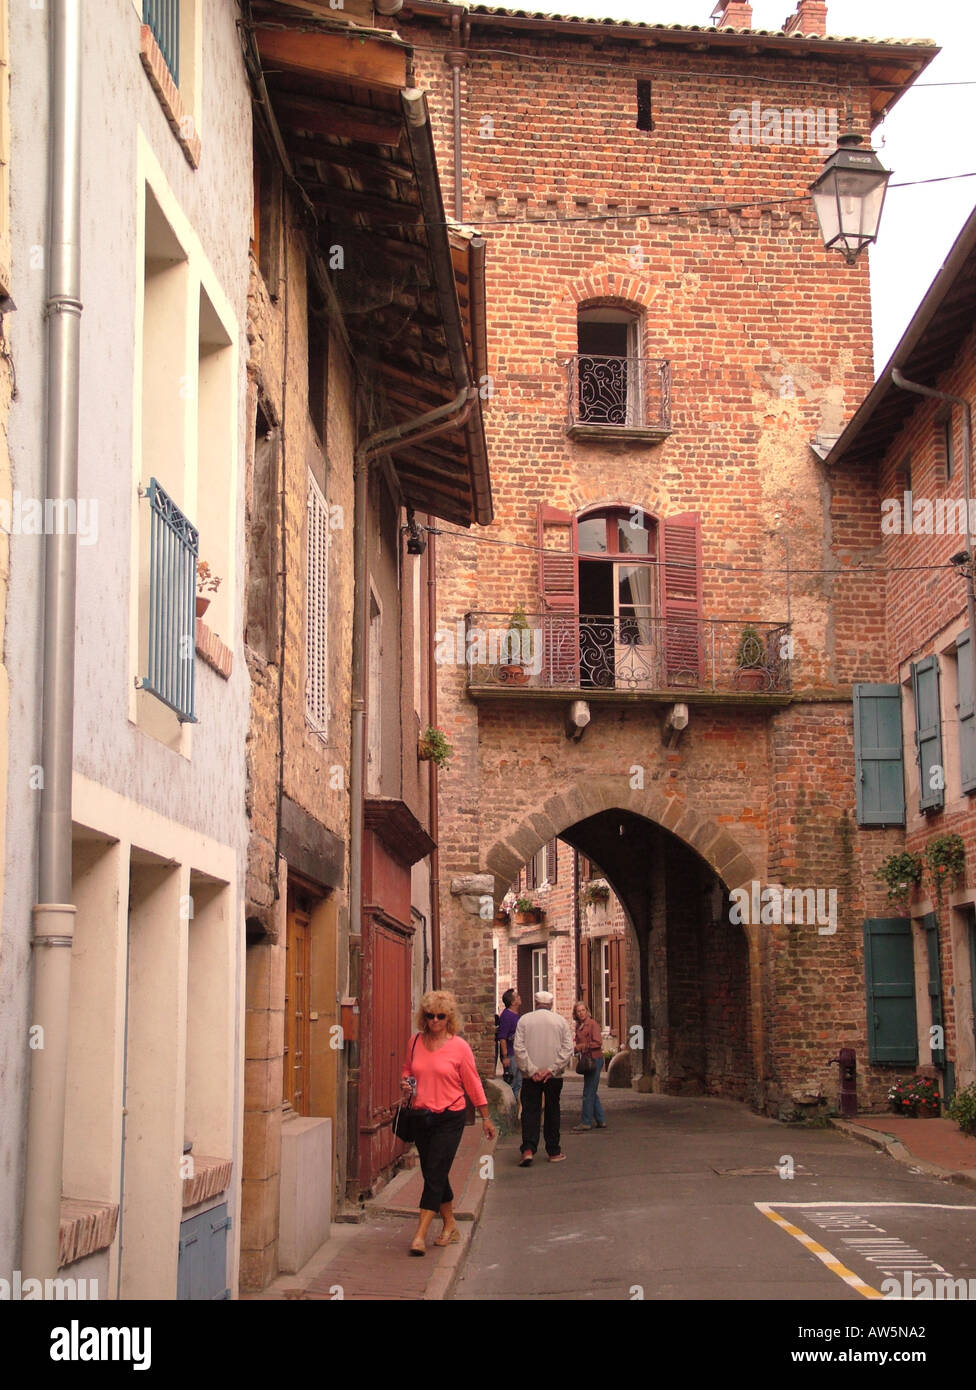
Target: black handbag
(407,1119)
(585,1064)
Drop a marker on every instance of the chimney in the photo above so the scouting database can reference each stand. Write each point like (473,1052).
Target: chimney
(810,18)
(732,14)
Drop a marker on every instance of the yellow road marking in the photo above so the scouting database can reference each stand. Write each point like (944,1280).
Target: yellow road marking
(823,1255)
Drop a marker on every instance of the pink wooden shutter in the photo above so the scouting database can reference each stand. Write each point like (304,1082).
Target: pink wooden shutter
(681,567)
(559,595)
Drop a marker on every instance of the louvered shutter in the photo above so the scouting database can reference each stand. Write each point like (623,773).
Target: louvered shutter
(889,974)
(317,609)
(559,595)
(681,586)
(928,734)
(967,711)
(880,774)
(931,924)
(552,860)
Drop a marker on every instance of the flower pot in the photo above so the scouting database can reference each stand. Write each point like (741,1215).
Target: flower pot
(203,603)
(525,918)
(513,675)
(751,678)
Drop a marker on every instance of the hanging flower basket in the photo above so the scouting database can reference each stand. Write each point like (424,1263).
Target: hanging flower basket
(946,858)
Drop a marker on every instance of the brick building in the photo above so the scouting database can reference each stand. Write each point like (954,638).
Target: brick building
(667,339)
(916,758)
(365,322)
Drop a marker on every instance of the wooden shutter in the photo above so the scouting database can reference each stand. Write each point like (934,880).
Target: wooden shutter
(928,733)
(559,595)
(931,924)
(681,590)
(617,992)
(317,609)
(889,972)
(967,711)
(552,860)
(880,774)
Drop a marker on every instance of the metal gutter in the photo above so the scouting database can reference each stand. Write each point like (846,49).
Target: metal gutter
(54,912)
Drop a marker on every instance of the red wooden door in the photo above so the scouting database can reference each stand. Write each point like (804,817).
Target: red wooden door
(386,1031)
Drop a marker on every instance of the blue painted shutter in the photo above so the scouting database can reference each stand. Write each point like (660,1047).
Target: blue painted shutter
(889,972)
(928,734)
(202,1272)
(967,713)
(931,924)
(878,755)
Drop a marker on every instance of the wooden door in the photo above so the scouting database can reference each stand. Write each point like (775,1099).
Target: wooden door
(295,1078)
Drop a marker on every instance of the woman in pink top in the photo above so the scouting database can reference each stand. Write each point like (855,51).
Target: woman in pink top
(442,1065)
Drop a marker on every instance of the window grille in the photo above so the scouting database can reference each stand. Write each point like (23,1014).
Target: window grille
(317,610)
(174,545)
(163,18)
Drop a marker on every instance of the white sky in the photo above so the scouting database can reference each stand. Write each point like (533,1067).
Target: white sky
(930,133)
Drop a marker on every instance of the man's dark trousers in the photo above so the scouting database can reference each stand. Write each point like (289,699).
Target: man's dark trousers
(533,1093)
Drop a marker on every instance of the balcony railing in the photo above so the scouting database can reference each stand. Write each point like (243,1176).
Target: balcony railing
(607,394)
(173,549)
(655,656)
(163,18)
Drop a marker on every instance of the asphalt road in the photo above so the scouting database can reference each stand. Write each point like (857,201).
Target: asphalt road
(657,1206)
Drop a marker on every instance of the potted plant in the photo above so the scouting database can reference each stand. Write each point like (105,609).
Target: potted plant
(916,1097)
(433,747)
(514,672)
(946,858)
(502,915)
(962,1109)
(207,583)
(900,873)
(750,660)
(597,890)
(527,910)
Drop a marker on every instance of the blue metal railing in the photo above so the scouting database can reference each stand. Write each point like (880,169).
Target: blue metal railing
(163,18)
(173,549)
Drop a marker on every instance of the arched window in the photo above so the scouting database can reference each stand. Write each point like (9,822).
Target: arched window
(609,367)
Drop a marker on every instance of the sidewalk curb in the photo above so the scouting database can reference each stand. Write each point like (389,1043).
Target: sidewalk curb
(895,1149)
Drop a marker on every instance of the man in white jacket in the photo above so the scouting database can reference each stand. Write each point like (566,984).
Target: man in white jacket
(543,1047)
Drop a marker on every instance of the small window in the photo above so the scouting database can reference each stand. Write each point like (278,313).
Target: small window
(645,120)
(317,610)
(609,383)
(540,970)
(945,428)
(318,356)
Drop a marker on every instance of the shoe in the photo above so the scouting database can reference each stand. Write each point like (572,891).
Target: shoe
(581,1129)
(450,1237)
(557,1158)
(416,1249)
(599,1126)
(526,1160)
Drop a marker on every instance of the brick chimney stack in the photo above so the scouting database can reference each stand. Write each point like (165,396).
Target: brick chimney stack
(732,14)
(810,18)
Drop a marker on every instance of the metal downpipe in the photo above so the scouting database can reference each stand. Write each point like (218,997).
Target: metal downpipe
(54,912)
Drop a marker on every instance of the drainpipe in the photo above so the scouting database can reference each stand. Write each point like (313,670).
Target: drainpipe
(456,58)
(967,488)
(54,911)
(434,422)
(435,860)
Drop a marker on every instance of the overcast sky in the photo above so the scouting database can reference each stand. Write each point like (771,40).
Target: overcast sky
(931,132)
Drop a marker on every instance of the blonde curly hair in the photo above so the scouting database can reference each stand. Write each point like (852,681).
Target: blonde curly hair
(439,1001)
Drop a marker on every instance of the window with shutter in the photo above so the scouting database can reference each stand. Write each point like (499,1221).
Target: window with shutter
(889,973)
(928,734)
(967,713)
(552,860)
(681,566)
(880,774)
(559,594)
(317,610)
(931,925)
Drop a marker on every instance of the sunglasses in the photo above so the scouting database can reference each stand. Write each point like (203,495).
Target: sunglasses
(439,1017)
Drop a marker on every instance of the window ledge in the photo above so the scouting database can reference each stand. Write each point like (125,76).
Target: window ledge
(161,80)
(85,1227)
(213,651)
(621,434)
(211,1176)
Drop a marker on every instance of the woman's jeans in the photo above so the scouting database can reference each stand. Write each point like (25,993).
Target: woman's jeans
(592,1109)
(438,1137)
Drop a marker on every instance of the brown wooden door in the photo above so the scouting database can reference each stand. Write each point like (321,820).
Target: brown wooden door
(295,1078)
(618,1022)
(387,1027)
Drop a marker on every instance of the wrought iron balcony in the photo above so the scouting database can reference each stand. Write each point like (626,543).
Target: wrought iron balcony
(618,398)
(611,657)
(173,549)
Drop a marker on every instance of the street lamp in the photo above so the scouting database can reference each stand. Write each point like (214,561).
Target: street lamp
(848,197)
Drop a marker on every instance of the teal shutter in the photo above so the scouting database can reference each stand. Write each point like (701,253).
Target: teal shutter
(202,1269)
(967,713)
(931,924)
(928,734)
(880,773)
(889,971)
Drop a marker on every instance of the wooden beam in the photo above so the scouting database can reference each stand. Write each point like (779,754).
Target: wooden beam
(337,118)
(370,63)
(422,481)
(343,157)
(410,379)
(332,195)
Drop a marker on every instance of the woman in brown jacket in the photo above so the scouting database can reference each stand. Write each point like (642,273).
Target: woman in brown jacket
(589,1043)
